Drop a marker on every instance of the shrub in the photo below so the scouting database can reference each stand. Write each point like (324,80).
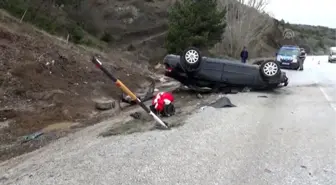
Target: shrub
(194,23)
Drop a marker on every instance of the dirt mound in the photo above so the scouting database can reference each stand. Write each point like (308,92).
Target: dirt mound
(44,81)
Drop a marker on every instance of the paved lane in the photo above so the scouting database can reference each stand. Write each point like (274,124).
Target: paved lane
(318,72)
(287,138)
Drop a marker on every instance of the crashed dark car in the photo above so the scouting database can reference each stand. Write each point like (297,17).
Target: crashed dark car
(193,69)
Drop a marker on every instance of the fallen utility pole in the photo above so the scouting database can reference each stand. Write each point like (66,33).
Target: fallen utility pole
(126,90)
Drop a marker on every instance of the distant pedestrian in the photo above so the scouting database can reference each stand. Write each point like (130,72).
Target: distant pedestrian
(244,55)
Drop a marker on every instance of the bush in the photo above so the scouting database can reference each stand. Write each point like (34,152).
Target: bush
(194,23)
(77,34)
(107,37)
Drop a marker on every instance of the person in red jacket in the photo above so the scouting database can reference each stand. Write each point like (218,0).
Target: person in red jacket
(162,104)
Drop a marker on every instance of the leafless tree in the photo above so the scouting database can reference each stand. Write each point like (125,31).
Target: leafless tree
(247,22)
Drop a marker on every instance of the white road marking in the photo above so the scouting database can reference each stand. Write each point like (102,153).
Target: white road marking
(328,98)
(324,92)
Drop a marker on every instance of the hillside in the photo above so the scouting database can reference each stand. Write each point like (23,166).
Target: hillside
(129,24)
(317,38)
(45,81)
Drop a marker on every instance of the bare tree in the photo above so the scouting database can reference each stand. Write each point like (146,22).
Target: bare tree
(247,22)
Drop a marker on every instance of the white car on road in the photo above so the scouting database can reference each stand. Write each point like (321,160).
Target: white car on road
(332,55)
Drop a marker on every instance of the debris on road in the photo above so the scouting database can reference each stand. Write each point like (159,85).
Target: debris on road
(31,137)
(3,179)
(223,102)
(105,104)
(262,96)
(246,89)
(140,116)
(234,91)
(144,94)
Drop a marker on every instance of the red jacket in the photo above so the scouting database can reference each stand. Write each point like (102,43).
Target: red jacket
(162,99)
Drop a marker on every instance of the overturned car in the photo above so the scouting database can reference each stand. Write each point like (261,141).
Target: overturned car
(192,69)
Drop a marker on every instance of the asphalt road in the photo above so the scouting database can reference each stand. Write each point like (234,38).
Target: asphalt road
(287,138)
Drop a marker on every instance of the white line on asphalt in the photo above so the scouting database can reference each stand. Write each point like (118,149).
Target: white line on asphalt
(325,94)
(328,98)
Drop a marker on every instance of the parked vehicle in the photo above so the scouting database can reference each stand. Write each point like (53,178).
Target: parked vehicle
(291,57)
(192,69)
(332,55)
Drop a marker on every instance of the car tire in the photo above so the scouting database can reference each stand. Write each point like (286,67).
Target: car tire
(270,69)
(191,59)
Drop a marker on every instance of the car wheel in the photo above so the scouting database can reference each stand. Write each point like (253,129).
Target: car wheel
(270,69)
(191,59)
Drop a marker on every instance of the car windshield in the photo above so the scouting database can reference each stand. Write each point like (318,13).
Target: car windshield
(288,52)
(333,52)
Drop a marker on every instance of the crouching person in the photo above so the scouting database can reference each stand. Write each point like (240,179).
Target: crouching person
(162,104)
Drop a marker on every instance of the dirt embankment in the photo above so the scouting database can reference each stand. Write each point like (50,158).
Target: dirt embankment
(44,81)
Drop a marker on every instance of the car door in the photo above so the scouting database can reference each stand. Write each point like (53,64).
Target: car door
(210,70)
(238,73)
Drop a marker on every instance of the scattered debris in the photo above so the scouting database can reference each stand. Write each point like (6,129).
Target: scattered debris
(4,124)
(303,166)
(144,94)
(105,104)
(158,66)
(267,170)
(262,96)
(222,103)
(199,96)
(234,91)
(6,114)
(3,179)
(31,137)
(163,80)
(202,108)
(136,115)
(246,89)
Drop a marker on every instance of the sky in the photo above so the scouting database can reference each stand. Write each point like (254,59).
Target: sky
(311,12)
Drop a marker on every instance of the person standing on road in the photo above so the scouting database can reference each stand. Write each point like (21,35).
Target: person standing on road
(244,55)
